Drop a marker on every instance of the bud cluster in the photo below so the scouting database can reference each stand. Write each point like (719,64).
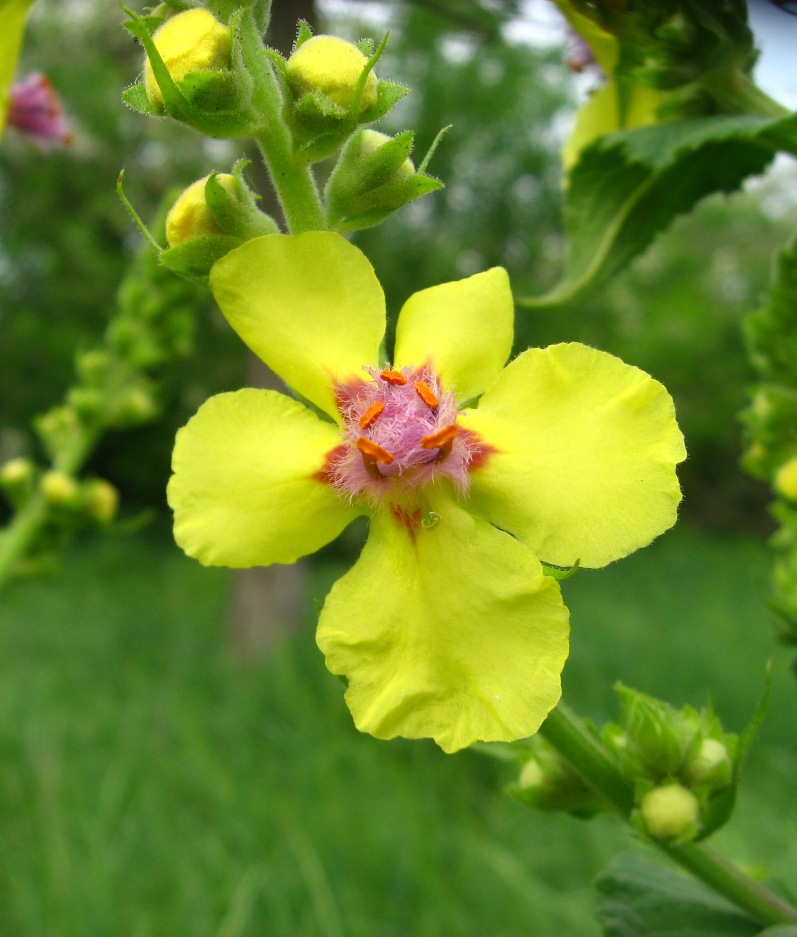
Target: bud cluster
(547,781)
(213,72)
(769,421)
(114,388)
(681,763)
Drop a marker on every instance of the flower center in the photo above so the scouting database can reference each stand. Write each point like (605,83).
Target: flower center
(400,433)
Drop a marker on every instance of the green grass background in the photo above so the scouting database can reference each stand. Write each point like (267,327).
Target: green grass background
(151,787)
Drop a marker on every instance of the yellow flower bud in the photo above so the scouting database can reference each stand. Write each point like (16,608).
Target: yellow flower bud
(670,812)
(786,479)
(102,500)
(60,489)
(332,67)
(190,216)
(189,42)
(16,472)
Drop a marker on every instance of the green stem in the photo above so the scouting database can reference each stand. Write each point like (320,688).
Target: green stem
(20,533)
(293,181)
(735,93)
(27,523)
(567,734)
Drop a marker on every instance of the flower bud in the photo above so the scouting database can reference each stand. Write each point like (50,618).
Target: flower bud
(190,216)
(60,489)
(16,478)
(192,41)
(710,765)
(374,177)
(332,67)
(786,479)
(670,812)
(101,500)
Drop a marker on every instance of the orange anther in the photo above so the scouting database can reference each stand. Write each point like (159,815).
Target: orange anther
(442,439)
(371,415)
(393,377)
(373,452)
(425,392)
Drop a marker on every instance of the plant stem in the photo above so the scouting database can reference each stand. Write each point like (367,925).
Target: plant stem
(567,734)
(293,181)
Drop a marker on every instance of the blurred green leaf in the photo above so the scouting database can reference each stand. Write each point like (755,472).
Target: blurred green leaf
(639,898)
(627,188)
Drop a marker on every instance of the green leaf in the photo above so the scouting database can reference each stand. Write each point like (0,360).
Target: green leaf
(627,187)
(780,930)
(638,898)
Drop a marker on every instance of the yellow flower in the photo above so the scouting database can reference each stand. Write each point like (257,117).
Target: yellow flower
(471,473)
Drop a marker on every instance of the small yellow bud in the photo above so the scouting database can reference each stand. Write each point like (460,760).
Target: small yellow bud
(190,216)
(60,489)
(189,42)
(786,479)
(102,500)
(670,812)
(332,67)
(16,472)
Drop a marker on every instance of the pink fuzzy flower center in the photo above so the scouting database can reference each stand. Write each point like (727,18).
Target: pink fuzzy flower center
(400,433)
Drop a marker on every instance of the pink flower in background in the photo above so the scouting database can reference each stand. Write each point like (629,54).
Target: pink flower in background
(37,113)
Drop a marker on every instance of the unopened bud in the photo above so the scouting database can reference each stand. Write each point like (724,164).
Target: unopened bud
(192,41)
(60,489)
(670,812)
(190,216)
(16,473)
(332,67)
(101,500)
(711,765)
(373,140)
(786,479)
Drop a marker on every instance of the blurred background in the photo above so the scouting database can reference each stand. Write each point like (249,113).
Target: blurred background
(151,784)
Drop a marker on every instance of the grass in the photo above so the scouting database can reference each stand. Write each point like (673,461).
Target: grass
(151,787)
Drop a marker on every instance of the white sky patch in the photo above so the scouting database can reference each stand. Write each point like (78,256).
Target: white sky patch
(373,14)
(540,25)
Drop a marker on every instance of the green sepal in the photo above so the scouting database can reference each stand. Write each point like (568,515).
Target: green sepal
(193,259)
(217,91)
(239,217)
(135,97)
(364,189)
(561,572)
(388,94)
(304,31)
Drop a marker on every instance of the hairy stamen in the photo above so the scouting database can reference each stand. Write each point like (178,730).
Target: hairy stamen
(442,440)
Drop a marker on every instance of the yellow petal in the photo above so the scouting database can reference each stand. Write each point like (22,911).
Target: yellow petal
(464,328)
(587,449)
(243,490)
(308,305)
(449,632)
(12,26)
